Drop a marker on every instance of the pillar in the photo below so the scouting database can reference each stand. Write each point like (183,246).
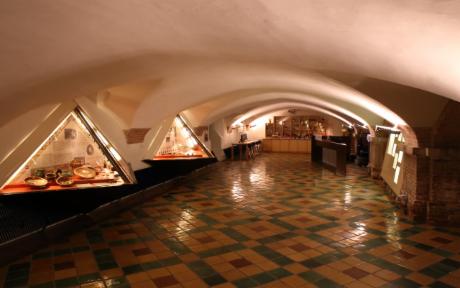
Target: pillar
(431,186)
(415,187)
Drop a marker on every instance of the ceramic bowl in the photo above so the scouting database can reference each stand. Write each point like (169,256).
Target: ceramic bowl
(36,182)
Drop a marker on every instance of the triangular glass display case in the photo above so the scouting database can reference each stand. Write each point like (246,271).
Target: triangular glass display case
(74,156)
(181,143)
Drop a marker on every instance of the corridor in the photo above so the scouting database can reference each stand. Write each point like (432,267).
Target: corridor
(277,221)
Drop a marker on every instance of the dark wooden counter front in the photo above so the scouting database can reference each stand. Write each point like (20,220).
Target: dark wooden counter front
(331,154)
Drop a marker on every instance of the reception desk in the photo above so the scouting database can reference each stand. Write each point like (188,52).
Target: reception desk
(286,145)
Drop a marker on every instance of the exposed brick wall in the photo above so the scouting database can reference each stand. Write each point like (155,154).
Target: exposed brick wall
(446,133)
(445,180)
(199,130)
(444,202)
(424,136)
(432,171)
(415,185)
(135,135)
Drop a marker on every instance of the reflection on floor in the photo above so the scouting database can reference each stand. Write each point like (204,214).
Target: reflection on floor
(277,221)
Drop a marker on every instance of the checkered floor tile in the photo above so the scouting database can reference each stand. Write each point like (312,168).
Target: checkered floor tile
(277,221)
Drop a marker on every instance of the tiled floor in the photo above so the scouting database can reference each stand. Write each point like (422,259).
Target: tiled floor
(277,221)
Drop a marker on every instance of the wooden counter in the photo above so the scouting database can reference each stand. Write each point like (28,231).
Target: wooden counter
(286,145)
(250,147)
(332,155)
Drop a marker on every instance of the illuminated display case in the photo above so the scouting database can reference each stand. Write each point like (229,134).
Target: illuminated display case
(75,156)
(181,143)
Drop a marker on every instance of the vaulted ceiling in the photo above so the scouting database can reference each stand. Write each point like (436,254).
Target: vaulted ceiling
(144,60)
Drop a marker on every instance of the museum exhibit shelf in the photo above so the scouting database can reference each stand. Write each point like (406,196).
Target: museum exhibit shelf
(75,155)
(181,143)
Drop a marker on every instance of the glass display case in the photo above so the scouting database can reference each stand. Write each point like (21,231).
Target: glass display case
(181,143)
(76,155)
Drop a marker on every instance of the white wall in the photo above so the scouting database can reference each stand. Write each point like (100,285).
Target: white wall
(17,130)
(221,138)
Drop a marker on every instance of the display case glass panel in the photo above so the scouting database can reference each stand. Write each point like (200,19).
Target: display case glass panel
(181,143)
(76,155)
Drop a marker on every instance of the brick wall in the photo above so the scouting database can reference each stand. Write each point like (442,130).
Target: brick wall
(432,171)
(424,136)
(135,135)
(416,184)
(446,133)
(444,202)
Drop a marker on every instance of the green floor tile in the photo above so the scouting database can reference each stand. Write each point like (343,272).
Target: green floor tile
(17,282)
(437,270)
(132,269)
(151,265)
(202,269)
(322,227)
(327,283)
(263,278)
(245,283)
(214,280)
(402,282)
(279,273)
(372,243)
(234,234)
(176,246)
(87,278)
(107,265)
(319,238)
(384,264)
(170,261)
(68,282)
(311,276)
(273,255)
(43,285)
(439,284)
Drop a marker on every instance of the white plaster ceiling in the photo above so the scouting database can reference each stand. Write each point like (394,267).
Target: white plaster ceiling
(197,50)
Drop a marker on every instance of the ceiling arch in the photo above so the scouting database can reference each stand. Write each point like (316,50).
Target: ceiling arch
(259,111)
(195,51)
(385,40)
(256,118)
(261,99)
(237,80)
